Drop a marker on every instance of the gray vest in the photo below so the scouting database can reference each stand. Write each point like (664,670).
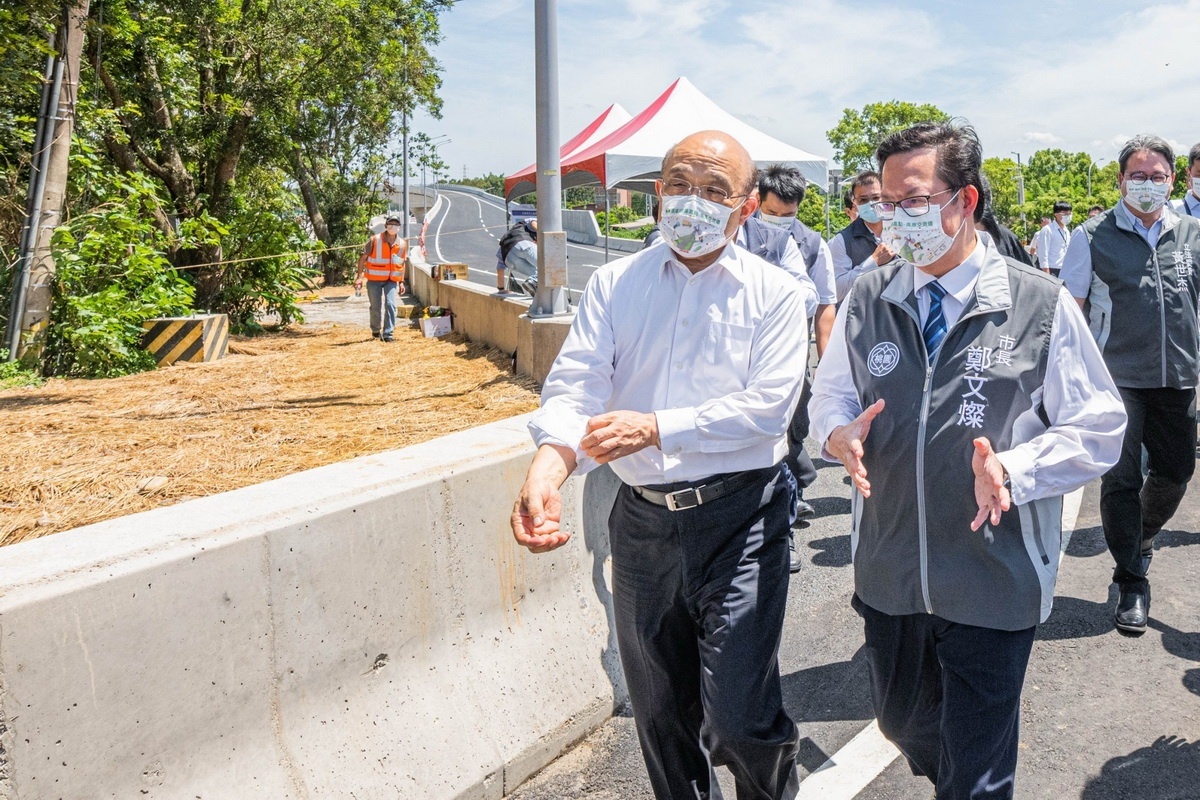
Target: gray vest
(1142,302)
(860,242)
(809,242)
(914,550)
(765,241)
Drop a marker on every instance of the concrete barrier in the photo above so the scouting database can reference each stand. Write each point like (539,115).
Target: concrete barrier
(367,629)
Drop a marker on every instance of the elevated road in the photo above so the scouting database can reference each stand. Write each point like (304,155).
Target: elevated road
(467,229)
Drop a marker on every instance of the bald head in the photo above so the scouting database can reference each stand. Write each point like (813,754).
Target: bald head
(716,152)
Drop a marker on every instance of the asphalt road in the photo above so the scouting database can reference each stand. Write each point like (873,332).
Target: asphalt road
(467,229)
(1104,715)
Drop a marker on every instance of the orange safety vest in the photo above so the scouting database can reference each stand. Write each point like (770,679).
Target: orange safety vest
(385,262)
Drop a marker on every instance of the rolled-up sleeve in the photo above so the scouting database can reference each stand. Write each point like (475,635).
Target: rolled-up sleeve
(1087,417)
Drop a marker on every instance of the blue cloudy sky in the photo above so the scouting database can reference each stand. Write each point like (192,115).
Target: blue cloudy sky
(1029,74)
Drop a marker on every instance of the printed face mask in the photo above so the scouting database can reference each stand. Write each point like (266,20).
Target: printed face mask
(867,213)
(778,222)
(693,226)
(920,240)
(1146,197)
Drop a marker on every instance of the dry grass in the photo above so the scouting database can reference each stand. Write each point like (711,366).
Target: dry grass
(77,452)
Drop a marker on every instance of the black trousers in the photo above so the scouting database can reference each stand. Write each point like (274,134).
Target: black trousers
(797,459)
(699,598)
(949,696)
(1132,508)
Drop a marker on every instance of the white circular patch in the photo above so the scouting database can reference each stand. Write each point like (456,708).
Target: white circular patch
(883,358)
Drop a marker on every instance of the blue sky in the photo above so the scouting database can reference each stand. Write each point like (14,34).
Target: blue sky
(1029,75)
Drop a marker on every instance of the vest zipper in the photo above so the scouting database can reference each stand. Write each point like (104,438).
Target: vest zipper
(922,535)
(1162,314)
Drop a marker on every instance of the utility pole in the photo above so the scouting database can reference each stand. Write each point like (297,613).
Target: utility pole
(404,154)
(34,277)
(1021,195)
(551,297)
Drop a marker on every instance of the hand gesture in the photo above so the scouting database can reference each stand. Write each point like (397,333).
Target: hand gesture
(536,516)
(846,444)
(619,433)
(883,254)
(991,494)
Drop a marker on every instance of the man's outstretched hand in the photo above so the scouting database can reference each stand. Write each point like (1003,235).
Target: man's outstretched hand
(537,513)
(845,443)
(991,494)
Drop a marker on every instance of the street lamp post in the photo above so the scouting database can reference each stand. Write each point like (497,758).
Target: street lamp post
(435,144)
(1021,193)
(551,298)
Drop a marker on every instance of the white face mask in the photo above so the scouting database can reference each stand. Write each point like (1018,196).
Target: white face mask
(1066,220)
(693,226)
(393,229)
(1196,186)
(1146,197)
(778,222)
(920,240)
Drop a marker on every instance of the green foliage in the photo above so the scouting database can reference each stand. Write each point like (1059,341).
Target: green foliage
(112,275)
(15,375)
(615,216)
(492,183)
(858,133)
(812,213)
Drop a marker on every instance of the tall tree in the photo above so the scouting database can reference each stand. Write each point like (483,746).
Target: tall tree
(858,133)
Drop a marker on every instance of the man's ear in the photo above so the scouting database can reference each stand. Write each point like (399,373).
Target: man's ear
(749,207)
(970,196)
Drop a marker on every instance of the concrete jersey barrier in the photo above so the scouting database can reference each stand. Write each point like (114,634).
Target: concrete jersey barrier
(368,629)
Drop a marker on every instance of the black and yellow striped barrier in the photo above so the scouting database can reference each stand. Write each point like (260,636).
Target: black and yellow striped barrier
(201,338)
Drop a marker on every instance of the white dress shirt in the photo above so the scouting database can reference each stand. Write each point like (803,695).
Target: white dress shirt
(1051,243)
(717,356)
(1080,398)
(794,264)
(844,271)
(823,276)
(1076,272)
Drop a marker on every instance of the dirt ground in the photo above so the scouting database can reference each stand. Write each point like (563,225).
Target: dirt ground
(77,452)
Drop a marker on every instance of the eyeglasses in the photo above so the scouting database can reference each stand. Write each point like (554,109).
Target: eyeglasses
(677,187)
(1158,178)
(914,206)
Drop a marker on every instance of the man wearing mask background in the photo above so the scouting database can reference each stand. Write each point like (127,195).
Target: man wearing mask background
(859,249)
(382,263)
(1050,242)
(963,395)
(1189,204)
(681,370)
(1133,269)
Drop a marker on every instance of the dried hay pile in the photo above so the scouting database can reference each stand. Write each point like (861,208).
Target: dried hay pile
(77,452)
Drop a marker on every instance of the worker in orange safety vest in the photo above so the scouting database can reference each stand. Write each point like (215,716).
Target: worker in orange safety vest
(382,264)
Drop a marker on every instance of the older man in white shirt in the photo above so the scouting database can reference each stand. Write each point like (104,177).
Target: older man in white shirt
(681,370)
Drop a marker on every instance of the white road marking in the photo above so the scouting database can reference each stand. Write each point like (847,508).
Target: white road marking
(851,769)
(437,234)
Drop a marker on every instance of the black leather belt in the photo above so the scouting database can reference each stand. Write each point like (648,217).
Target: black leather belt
(693,496)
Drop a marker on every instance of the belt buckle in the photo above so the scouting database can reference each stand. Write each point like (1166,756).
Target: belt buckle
(673,499)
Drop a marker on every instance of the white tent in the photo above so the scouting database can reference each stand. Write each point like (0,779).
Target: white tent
(524,181)
(631,156)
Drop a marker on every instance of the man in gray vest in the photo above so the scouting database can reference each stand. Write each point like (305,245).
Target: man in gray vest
(859,248)
(964,396)
(1134,270)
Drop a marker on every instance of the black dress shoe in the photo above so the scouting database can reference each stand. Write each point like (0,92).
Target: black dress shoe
(804,510)
(795,560)
(1133,609)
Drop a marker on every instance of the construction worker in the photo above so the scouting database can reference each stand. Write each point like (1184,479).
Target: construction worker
(382,263)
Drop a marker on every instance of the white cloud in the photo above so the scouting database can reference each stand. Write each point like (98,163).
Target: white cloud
(1044,139)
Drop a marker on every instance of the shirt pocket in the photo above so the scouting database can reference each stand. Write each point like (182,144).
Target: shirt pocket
(726,362)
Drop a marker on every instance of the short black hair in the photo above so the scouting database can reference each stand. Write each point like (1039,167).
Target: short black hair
(1194,155)
(866,176)
(1096,208)
(848,198)
(784,182)
(959,154)
(1061,205)
(1150,142)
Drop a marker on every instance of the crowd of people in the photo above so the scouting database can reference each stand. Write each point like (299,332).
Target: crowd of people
(963,390)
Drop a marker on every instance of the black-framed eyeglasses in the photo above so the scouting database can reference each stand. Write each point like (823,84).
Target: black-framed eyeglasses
(677,187)
(914,206)
(1158,179)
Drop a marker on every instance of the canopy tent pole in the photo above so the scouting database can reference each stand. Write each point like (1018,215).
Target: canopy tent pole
(607,224)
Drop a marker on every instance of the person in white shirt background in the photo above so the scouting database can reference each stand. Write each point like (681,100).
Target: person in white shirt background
(1189,204)
(1050,242)
(680,371)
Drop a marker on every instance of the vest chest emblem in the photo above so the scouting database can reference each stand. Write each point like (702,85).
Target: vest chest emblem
(883,358)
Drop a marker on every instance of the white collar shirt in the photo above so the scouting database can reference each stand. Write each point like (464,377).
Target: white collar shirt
(717,356)
(1189,205)
(1052,243)
(959,284)
(1150,234)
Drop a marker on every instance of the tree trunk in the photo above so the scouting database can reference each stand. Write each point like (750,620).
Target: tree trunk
(320,228)
(36,318)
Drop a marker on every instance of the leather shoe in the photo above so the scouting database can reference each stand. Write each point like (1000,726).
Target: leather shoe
(804,510)
(795,560)
(1133,609)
